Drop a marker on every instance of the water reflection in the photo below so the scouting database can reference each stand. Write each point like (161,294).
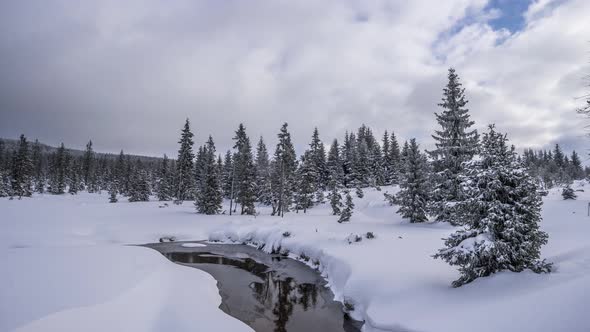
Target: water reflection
(267,292)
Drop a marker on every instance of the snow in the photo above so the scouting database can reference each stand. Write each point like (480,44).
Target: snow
(66,266)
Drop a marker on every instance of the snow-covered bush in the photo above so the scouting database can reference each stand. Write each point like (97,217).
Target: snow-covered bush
(568,193)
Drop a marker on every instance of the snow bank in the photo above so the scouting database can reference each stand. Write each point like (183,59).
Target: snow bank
(106,288)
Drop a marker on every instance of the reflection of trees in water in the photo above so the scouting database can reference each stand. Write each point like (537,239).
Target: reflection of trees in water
(282,295)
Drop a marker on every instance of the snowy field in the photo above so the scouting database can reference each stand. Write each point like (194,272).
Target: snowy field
(67,266)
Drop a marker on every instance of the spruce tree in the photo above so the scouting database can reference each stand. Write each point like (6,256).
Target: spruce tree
(414,191)
(349,161)
(199,170)
(163,189)
(120,173)
(185,182)
(455,144)
(244,172)
(335,201)
(263,185)
(210,196)
(334,166)
(577,172)
(113,192)
(346,213)
(88,168)
(283,171)
(317,155)
(139,188)
(500,214)
(306,182)
(393,160)
(74,177)
(227,177)
(5,184)
(38,169)
(22,169)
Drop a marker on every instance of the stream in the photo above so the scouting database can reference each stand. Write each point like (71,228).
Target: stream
(267,292)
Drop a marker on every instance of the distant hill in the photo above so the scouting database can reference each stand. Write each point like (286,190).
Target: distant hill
(11,144)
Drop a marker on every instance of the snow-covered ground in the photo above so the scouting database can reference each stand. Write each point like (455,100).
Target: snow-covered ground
(66,267)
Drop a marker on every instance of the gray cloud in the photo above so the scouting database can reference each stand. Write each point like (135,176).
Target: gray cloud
(127,74)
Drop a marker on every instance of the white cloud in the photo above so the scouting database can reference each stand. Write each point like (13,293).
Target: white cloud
(331,64)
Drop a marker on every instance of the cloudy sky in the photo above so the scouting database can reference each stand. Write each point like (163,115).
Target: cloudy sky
(127,73)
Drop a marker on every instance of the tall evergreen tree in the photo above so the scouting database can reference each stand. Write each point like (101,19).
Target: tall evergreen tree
(335,201)
(577,172)
(113,192)
(334,166)
(501,215)
(346,213)
(228,175)
(120,173)
(283,171)
(263,185)
(393,160)
(317,155)
(164,187)
(38,169)
(210,196)
(59,165)
(139,188)
(414,190)
(306,182)
(244,172)
(22,169)
(455,144)
(74,177)
(185,183)
(88,168)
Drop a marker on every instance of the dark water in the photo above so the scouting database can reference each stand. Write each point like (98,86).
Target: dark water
(267,292)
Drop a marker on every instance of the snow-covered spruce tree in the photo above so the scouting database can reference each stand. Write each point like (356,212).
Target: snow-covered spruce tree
(334,166)
(38,169)
(5,185)
(74,177)
(283,170)
(500,213)
(414,189)
(113,192)
(210,196)
(163,187)
(317,154)
(568,193)
(185,182)
(393,160)
(576,170)
(139,187)
(455,144)
(385,147)
(22,169)
(306,182)
(244,172)
(58,171)
(349,160)
(227,176)
(198,171)
(348,209)
(335,201)
(263,186)
(88,168)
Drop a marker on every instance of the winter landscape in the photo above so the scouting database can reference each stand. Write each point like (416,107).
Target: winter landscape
(294,166)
